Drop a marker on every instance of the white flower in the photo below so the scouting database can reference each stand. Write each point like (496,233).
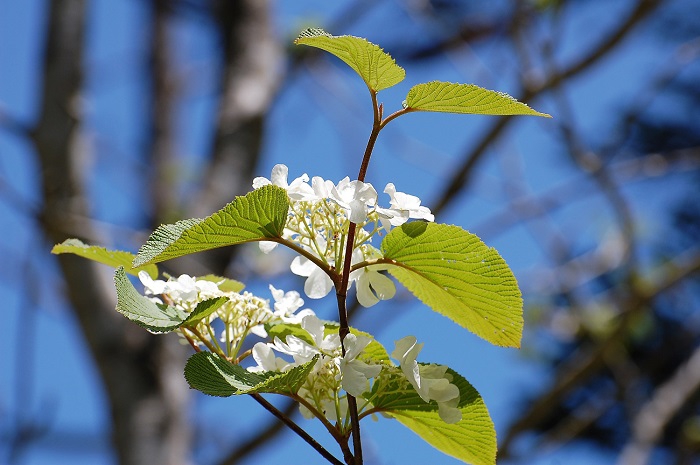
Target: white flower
(316,330)
(354,196)
(181,289)
(322,188)
(356,373)
(301,350)
(265,357)
(297,190)
(403,207)
(431,382)
(286,303)
(151,286)
(443,392)
(296,347)
(318,284)
(372,286)
(406,350)
(207,289)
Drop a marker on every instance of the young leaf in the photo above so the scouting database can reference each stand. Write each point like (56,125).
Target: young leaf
(447,97)
(203,310)
(375,67)
(113,258)
(141,310)
(214,375)
(259,215)
(456,274)
(472,439)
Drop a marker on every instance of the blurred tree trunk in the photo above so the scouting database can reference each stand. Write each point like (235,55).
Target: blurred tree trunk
(139,371)
(250,60)
(142,373)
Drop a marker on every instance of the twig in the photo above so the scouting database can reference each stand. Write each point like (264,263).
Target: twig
(296,428)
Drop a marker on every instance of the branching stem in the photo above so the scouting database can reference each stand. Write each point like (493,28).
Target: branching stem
(342,287)
(296,428)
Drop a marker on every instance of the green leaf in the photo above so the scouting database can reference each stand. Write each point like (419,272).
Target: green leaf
(214,375)
(472,439)
(456,274)
(225,284)
(447,97)
(375,67)
(113,258)
(257,216)
(203,310)
(141,310)
(282,330)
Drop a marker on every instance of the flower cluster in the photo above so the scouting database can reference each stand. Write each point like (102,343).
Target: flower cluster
(242,314)
(353,371)
(335,372)
(332,371)
(318,222)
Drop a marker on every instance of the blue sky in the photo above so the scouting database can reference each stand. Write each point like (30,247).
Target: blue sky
(416,152)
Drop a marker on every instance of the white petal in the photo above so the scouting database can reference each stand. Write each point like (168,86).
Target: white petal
(365,296)
(406,351)
(279,175)
(300,190)
(354,345)
(302,266)
(297,318)
(318,284)
(260,181)
(358,211)
(353,381)
(259,330)
(277,294)
(315,327)
(422,213)
(390,189)
(155,287)
(448,413)
(370,371)
(267,246)
(365,192)
(382,285)
(321,188)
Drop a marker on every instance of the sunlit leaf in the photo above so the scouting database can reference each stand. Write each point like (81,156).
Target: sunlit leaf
(259,215)
(456,274)
(113,258)
(447,97)
(374,65)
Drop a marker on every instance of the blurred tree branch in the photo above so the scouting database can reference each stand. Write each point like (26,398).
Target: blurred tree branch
(654,416)
(530,90)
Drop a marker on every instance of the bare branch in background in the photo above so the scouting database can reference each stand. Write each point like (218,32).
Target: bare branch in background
(588,360)
(462,177)
(652,419)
